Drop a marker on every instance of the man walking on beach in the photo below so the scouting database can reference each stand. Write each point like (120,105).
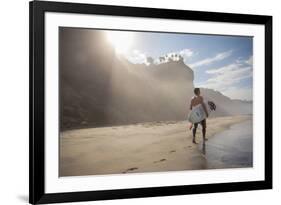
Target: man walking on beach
(196,100)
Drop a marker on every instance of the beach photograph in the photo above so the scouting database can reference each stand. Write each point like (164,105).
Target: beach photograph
(143,101)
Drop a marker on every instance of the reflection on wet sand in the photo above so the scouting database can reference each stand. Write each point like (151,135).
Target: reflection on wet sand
(231,148)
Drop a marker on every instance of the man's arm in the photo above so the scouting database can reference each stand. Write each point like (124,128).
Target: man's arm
(190,105)
(204,107)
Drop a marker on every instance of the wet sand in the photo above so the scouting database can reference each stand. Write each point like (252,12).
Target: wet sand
(232,148)
(145,147)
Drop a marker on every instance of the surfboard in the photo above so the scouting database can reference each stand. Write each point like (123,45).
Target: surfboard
(197,114)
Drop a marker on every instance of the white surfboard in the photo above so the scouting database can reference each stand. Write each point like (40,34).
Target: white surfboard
(197,114)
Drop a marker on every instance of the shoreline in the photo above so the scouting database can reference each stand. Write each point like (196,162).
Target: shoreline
(93,126)
(143,147)
(222,128)
(231,148)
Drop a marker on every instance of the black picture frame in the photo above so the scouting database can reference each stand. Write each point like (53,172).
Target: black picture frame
(37,9)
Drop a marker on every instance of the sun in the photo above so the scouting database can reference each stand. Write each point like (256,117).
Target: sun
(120,40)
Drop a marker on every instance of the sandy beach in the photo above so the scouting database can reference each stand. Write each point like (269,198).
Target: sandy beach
(145,147)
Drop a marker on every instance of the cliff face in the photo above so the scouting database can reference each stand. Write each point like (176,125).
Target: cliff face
(226,106)
(142,93)
(84,77)
(99,89)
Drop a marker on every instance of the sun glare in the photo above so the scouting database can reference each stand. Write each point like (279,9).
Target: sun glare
(120,40)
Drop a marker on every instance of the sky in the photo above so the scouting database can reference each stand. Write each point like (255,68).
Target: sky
(222,63)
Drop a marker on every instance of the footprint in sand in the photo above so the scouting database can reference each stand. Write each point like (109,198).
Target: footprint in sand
(130,169)
(161,160)
(172,151)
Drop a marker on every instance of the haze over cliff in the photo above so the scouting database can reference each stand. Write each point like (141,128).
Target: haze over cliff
(97,88)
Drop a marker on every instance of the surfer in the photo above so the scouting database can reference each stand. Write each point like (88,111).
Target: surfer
(197,100)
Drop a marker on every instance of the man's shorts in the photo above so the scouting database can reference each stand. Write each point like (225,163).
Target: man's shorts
(203,124)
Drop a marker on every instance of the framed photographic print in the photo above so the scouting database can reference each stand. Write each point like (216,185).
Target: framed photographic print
(130,102)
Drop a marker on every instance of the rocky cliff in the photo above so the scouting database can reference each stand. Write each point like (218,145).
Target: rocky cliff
(99,89)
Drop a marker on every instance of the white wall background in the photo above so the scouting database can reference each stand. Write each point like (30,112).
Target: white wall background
(14,100)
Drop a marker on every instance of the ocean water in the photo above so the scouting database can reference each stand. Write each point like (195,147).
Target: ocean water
(232,148)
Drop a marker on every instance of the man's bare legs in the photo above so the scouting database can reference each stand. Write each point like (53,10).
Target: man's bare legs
(203,123)
(194,132)
(204,133)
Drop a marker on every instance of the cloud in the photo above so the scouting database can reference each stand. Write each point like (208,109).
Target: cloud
(226,79)
(207,61)
(227,76)
(232,70)
(249,61)
(186,53)
(137,57)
